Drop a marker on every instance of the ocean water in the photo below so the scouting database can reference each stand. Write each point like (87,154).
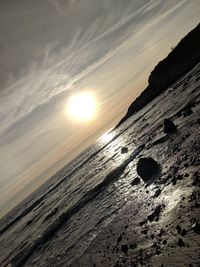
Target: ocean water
(59,220)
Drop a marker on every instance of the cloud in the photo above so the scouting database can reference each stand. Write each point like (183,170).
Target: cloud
(63,65)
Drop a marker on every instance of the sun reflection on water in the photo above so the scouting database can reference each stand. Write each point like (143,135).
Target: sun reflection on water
(106,137)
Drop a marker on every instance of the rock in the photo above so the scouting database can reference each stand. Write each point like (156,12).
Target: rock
(180,242)
(136,181)
(119,239)
(183,232)
(124,260)
(196,179)
(155,214)
(143,222)
(187,112)
(169,126)
(196,228)
(161,233)
(147,168)
(196,206)
(124,248)
(157,193)
(176,178)
(144,232)
(164,242)
(178,228)
(133,246)
(29,222)
(169,90)
(124,150)
(152,236)
(52,212)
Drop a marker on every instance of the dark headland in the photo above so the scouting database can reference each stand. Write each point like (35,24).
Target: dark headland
(181,59)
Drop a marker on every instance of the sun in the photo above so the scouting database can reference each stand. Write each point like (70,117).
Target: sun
(81,107)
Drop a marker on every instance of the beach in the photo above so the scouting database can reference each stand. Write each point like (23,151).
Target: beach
(94,213)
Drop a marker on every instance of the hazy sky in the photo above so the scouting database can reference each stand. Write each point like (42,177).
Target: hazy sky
(51,49)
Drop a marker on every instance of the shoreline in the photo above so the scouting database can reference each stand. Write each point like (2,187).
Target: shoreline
(171,238)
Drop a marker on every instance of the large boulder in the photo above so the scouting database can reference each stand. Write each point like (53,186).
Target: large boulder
(147,168)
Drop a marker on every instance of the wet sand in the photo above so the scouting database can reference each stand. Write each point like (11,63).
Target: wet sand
(160,226)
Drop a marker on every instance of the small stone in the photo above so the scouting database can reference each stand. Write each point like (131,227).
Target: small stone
(161,233)
(187,112)
(157,193)
(136,181)
(143,222)
(157,210)
(124,248)
(178,228)
(124,150)
(144,232)
(179,177)
(181,243)
(155,214)
(183,232)
(196,205)
(196,180)
(133,246)
(124,260)
(196,228)
(174,180)
(169,126)
(29,222)
(119,239)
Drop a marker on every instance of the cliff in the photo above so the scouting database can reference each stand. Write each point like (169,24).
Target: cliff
(180,60)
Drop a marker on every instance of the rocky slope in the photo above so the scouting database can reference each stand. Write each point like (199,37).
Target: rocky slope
(181,59)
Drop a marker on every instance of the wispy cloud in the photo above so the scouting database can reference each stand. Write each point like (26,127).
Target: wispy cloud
(58,71)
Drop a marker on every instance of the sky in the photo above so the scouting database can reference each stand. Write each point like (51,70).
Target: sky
(53,49)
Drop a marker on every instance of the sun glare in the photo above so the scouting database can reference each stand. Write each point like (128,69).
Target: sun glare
(106,137)
(82,107)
